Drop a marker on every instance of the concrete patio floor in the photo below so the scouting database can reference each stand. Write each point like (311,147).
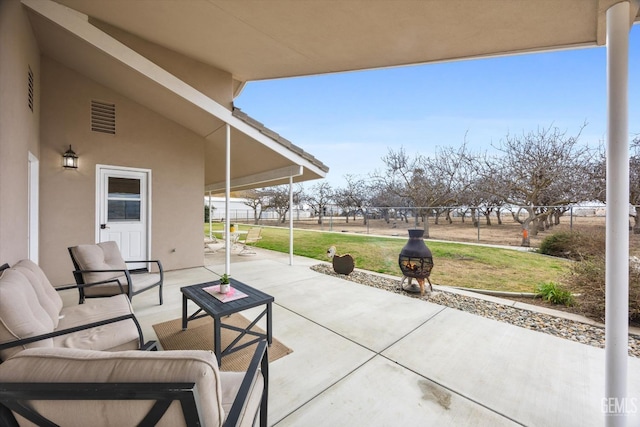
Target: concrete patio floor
(367,357)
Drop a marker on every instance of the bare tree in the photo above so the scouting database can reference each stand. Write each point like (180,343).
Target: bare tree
(634,181)
(424,182)
(482,198)
(452,170)
(598,182)
(398,177)
(356,195)
(343,203)
(540,169)
(390,204)
(278,199)
(257,200)
(319,198)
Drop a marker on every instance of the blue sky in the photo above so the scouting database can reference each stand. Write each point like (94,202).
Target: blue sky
(350,120)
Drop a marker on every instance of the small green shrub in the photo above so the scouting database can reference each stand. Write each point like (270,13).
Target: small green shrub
(572,245)
(555,293)
(558,244)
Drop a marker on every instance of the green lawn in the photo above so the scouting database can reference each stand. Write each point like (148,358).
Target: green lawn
(455,264)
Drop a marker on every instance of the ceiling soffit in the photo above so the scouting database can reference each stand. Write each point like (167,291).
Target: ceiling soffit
(255,39)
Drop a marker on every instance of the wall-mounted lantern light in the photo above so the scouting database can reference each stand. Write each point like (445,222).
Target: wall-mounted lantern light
(70,159)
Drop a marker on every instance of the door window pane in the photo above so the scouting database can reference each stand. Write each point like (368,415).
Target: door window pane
(124,188)
(123,199)
(124,210)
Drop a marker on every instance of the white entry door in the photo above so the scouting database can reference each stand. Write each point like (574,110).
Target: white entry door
(123,210)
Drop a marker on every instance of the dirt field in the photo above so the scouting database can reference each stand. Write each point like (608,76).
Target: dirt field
(509,233)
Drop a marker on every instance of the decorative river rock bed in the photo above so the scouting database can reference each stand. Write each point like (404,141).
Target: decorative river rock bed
(560,327)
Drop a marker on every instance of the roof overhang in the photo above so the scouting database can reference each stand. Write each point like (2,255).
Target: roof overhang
(68,37)
(256,39)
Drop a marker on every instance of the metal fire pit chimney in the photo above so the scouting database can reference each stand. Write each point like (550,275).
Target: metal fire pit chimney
(415,260)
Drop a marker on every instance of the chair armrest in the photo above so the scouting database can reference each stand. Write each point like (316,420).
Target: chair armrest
(86,285)
(65,287)
(122,270)
(156,261)
(103,282)
(35,338)
(260,361)
(78,276)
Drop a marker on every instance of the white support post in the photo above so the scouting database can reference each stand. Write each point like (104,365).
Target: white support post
(290,220)
(210,218)
(617,217)
(227,197)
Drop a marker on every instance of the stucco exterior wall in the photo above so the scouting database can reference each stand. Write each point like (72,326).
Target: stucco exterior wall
(143,139)
(18,127)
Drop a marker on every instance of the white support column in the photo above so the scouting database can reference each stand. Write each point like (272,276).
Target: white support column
(290,220)
(227,197)
(210,218)
(617,217)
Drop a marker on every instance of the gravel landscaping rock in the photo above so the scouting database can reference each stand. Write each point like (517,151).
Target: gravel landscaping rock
(560,327)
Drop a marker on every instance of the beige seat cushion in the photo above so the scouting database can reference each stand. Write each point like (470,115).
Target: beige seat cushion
(121,335)
(72,365)
(47,295)
(21,314)
(231,382)
(103,256)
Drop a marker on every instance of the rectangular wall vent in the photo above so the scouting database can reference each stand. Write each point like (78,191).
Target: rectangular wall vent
(103,117)
(30,89)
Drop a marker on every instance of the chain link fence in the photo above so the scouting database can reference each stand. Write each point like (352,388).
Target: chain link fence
(499,227)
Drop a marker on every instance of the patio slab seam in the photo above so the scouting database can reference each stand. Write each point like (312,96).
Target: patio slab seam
(324,390)
(362,365)
(380,353)
(448,388)
(442,308)
(462,396)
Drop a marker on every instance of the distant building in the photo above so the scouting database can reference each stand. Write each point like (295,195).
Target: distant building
(237,208)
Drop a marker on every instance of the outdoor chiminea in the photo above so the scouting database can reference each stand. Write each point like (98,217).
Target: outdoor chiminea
(415,261)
